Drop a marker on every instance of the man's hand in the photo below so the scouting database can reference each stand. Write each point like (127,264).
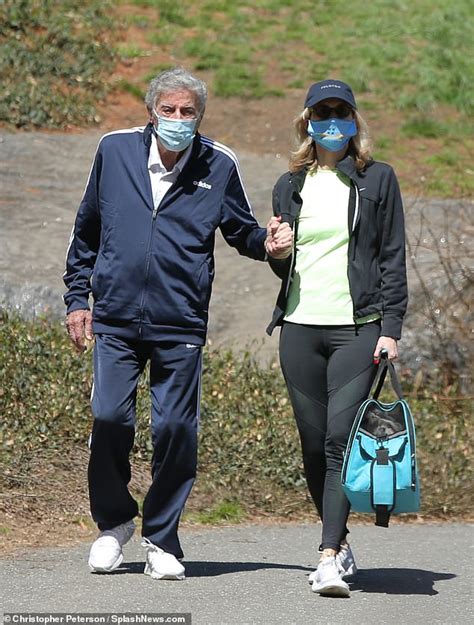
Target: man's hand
(279,241)
(79,328)
(386,342)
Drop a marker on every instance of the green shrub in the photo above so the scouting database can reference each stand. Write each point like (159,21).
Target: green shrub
(249,455)
(424,127)
(54,61)
(129,87)
(224,511)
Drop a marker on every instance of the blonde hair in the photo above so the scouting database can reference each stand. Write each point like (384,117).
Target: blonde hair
(360,146)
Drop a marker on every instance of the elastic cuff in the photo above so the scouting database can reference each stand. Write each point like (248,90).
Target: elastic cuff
(77,304)
(334,546)
(323,546)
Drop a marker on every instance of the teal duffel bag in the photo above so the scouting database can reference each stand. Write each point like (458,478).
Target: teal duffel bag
(379,473)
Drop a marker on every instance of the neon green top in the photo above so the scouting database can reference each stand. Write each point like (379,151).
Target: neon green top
(319,292)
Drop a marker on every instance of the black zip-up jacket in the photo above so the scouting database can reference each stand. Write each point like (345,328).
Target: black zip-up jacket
(376,255)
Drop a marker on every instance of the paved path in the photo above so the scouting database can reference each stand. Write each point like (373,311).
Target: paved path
(256,575)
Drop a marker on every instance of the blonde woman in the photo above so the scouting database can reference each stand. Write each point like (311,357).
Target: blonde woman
(342,299)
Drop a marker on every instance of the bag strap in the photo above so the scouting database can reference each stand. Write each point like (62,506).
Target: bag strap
(383,486)
(384,366)
(382,516)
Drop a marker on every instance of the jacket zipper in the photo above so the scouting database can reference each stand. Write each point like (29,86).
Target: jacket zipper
(357,204)
(293,260)
(351,234)
(147,270)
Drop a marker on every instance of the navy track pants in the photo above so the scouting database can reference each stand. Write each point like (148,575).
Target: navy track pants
(175,374)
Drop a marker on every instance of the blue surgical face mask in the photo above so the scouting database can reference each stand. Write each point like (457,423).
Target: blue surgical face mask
(175,134)
(332,134)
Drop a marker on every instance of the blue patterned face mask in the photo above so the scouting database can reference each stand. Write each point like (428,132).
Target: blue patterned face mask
(175,134)
(332,134)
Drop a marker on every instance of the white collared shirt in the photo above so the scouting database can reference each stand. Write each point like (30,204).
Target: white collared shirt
(161,179)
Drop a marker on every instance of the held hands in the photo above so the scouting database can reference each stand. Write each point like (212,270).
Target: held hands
(79,328)
(279,241)
(386,342)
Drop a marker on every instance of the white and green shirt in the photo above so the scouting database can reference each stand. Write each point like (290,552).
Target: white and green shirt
(319,292)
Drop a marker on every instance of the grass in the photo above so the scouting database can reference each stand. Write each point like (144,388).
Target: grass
(130,51)
(55,61)
(141,21)
(408,62)
(221,512)
(128,87)
(442,158)
(423,126)
(415,54)
(162,37)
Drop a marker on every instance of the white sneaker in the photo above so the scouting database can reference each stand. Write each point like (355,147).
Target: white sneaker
(160,564)
(106,552)
(328,580)
(345,562)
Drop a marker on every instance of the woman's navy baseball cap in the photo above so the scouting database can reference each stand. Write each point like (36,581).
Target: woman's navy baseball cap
(326,89)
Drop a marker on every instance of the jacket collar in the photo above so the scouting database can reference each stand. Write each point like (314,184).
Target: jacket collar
(148,136)
(156,164)
(296,180)
(347,167)
(298,177)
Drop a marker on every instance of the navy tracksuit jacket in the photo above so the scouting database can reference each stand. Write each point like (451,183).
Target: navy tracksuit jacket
(150,271)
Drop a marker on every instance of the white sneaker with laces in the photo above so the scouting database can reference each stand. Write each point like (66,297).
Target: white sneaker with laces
(106,552)
(328,581)
(345,561)
(160,564)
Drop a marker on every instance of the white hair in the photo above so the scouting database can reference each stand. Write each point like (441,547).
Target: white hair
(173,80)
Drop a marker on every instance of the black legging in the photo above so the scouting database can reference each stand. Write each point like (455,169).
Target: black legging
(328,371)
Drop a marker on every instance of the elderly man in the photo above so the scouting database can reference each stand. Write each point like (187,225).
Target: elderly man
(143,245)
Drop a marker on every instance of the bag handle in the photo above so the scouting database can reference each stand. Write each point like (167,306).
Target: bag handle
(384,366)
